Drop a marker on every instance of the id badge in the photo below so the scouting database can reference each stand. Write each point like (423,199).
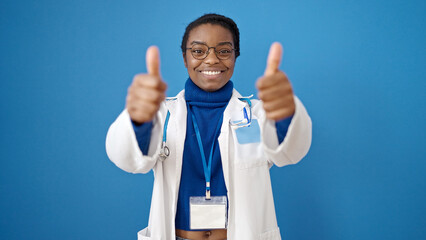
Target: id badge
(208,214)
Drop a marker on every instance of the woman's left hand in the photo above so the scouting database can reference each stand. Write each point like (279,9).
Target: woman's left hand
(274,88)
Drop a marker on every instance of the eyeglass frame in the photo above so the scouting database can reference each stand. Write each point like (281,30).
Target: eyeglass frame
(208,50)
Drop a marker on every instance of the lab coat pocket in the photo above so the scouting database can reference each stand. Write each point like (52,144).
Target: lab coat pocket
(271,235)
(248,148)
(248,134)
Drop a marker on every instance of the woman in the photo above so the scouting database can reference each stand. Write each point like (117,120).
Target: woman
(209,147)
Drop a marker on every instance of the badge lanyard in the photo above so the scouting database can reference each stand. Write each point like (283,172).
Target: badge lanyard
(207,166)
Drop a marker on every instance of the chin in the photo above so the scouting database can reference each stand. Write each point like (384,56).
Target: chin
(212,87)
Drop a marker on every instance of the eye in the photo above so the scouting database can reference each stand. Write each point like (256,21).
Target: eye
(225,51)
(198,51)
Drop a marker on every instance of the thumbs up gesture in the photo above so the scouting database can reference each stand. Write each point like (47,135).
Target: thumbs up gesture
(274,88)
(147,91)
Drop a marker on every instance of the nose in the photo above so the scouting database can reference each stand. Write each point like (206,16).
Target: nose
(211,57)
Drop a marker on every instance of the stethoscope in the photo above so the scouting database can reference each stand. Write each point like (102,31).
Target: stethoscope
(165,152)
(244,122)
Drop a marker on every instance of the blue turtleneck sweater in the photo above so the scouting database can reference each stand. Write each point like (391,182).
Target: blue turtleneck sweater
(208,108)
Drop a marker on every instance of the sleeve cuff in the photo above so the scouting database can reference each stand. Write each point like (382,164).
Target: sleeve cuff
(143,135)
(282,128)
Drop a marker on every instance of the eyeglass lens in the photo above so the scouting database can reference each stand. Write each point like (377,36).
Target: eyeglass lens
(200,51)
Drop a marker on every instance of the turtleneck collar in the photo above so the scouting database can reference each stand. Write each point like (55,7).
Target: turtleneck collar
(194,94)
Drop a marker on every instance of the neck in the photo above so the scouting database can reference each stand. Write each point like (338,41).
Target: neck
(194,94)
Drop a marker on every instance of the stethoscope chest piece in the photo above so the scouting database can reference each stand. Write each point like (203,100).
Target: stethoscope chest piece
(164,152)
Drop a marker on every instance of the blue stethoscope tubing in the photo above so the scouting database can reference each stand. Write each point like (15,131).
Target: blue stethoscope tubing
(165,152)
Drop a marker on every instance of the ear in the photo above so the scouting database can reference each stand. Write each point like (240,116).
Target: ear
(184,60)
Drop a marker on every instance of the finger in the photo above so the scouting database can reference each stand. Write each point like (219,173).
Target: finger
(142,108)
(136,104)
(279,114)
(153,61)
(271,94)
(274,80)
(148,95)
(144,80)
(274,59)
(278,104)
(142,113)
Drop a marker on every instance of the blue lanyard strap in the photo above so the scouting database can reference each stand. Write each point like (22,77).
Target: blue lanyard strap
(207,166)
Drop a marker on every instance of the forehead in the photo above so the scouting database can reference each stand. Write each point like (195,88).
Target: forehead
(211,34)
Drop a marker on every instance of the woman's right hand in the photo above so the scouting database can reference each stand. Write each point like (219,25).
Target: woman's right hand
(147,91)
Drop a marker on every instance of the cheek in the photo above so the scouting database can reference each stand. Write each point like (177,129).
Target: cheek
(192,64)
(230,65)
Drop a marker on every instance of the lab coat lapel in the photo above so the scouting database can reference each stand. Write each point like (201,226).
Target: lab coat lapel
(178,114)
(234,105)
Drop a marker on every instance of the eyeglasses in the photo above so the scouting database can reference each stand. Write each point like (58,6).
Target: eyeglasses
(200,51)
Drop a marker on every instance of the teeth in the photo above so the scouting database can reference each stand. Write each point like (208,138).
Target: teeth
(210,72)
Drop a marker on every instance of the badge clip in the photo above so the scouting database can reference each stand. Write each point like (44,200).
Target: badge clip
(208,191)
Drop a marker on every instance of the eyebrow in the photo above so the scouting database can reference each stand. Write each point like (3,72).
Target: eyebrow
(220,44)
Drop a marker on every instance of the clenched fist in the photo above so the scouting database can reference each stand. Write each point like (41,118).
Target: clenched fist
(147,91)
(274,88)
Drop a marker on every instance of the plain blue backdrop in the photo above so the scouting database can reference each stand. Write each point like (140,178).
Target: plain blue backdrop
(358,66)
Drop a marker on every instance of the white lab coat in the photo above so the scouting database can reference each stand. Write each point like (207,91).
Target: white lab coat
(251,212)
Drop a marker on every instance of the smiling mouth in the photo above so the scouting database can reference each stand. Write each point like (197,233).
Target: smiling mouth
(211,73)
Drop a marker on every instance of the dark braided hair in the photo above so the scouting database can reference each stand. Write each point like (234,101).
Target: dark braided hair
(214,19)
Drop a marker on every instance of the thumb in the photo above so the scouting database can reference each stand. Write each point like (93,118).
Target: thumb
(153,61)
(274,59)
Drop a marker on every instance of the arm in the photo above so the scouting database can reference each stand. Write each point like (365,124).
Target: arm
(143,106)
(279,102)
(123,149)
(297,141)
(282,128)
(143,135)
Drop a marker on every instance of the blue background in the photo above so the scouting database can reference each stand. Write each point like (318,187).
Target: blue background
(358,66)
